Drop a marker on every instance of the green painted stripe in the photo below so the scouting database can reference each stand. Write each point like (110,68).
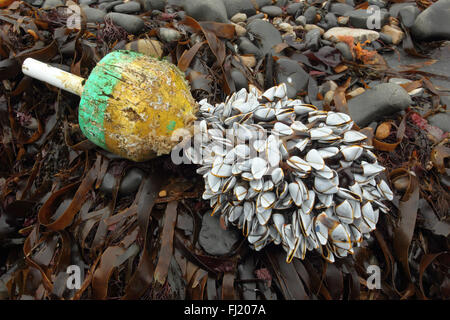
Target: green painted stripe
(97,92)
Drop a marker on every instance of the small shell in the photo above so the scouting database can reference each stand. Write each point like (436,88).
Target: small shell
(337,119)
(259,167)
(314,159)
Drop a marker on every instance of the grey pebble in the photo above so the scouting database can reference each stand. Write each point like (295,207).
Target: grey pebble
(408,15)
(266,35)
(340,8)
(344,49)
(51,4)
(93,15)
(363,19)
(433,23)
(239,79)
(211,10)
(244,6)
(293,8)
(128,7)
(129,184)
(169,34)
(440,120)
(272,11)
(132,24)
(291,73)
(310,14)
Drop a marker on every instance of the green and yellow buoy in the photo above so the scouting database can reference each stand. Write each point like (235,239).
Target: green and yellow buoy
(131,103)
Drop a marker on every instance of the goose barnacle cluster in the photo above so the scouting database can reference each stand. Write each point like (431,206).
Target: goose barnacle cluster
(285,172)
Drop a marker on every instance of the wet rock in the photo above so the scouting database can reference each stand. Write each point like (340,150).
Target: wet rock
(364,19)
(211,10)
(281,3)
(213,239)
(272,11)
(239,17)
(382,100)
(310,14)
(247,47)
(108,6)
(301,20)
(330,20)
(291,73)
(129,184)
(312,40)
(244,6)
(266,35)
(293,8)
(360,35)
(344,49)
(51,4)
(408,15)
(378,3)
(440,120)
(153,5)
(340,8)
(169,34)
(395,33)
(240,81)
(433,23)
(132,24)
(87,2)
(128,7)
(93,15)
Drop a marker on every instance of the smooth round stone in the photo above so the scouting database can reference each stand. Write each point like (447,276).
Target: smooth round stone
(340,8)
(293,8)
(433,23)
(153,5)
(244,6)
(247,47)
(128,7)
(440,120)
(168,34)
(387,39)
(344,49)
(301,21)
(255,17)
(108,6)
(213,239)
(266,35)
(130,182)
(211,10)
(51,4)
(312,39)
(132,24)
(331,20)
(310,14)
(272,11)
(94,15)
(360,35)
(239,79)
(291,73)
(239,17)
(408,15)
(363,19)
(87,2)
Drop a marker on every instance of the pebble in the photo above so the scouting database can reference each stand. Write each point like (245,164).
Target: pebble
(266,35)
(132,24)
(148,47)
(272,11)
(382,100)
(244,6)
(331,20)
(344,49)
(285,27)
(395,33)
(310,14)
(293,8)
(364,19)
(169,34)
(108,6)
(343,20)
(213,239)
(154,5)
(240,81)
(387,39)
(300,20)
(93,15)
(414,92)
(291,73)
(395,8)
(340,8)
(128,7)
(245,271)
(129,184)
(239,17)
(433,23)
(211,10)
(440,120)
(408,15)
(248,60)
(247,47)
(86,2)
(51,4)
(312,39)
(356,92)
(360,35)
(309,27)
(240,31)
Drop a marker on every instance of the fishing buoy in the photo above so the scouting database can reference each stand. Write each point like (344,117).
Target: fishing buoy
(131,103)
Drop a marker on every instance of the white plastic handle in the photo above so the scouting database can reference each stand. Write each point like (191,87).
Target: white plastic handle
(54,76)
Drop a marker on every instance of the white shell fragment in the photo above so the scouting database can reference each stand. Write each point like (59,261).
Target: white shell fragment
(287,173)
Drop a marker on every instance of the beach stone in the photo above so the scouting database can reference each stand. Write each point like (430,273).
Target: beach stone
(247,47)
(239,17)
(211,10)
(51,4)
(309,27)
(340,9)
(128,7)
(292,74)
(408,15)
(213,239)
(440,120)
(330,20)
(239,79)
(363,19)
(272,11)
(132,24)
(93,15)
(240,31)
(344,49)
(87,2)
(360,35)
(244,6)
(266,35)
(395,33)
(154,5)
(130,182)
(169,34)
(293,8)
(382,100)
(300,20)
(433,23)
(245,271)
(378,3)
(395,8)
(108,6)
(312,39)
(387,39)
(343,20)
(310,14)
